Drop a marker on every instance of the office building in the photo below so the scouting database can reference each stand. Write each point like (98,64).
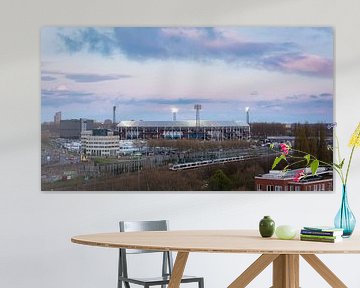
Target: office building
(72,128)
(100,142)
(57,118)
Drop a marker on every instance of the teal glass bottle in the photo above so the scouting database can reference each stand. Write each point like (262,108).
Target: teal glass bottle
(345,219)
(266,227)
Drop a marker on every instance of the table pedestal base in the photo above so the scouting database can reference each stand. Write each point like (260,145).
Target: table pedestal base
(286,271)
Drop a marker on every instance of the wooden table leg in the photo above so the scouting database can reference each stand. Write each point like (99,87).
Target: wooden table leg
(286,271)
(253,270)
(178,269)
(324,271)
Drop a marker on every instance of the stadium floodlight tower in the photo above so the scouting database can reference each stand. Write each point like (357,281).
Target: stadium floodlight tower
(174,111)
(247,110)
(197,107)
(114,114)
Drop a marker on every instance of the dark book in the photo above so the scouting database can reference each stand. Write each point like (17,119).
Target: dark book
(321,233)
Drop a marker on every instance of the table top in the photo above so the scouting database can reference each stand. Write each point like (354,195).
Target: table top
(216,241)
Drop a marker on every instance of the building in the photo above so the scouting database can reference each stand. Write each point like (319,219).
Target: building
(100,142)
(72,128)
(277,180)
(57,118)
(187,129)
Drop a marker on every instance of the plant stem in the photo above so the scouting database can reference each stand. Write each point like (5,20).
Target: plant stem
(339,171)
(296,162)
(351,155)
(338,149)
(322,162)
(348,166)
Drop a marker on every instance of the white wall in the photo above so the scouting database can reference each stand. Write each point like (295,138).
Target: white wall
(35,227)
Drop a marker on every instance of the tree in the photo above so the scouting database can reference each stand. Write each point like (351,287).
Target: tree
(301,139)
(219,181)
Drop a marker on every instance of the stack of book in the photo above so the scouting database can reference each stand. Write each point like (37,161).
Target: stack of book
(321,234)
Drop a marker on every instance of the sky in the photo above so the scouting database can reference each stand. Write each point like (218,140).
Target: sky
(283,74)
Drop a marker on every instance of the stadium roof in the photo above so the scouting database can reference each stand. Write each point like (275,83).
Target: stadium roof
(183,123)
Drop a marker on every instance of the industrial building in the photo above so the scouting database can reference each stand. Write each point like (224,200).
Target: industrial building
(278,180)
(99,142)
(72,128)
(187,129)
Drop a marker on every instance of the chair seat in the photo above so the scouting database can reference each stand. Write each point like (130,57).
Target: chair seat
(158,280)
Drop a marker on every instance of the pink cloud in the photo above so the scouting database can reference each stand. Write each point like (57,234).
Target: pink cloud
(189,33)
(308,64)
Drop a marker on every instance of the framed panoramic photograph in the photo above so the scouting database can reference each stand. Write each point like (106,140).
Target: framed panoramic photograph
(186,108)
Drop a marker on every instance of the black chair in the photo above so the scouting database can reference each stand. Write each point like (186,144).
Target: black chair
(167,265)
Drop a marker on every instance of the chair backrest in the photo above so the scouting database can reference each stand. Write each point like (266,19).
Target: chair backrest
(137,226)
(133,226)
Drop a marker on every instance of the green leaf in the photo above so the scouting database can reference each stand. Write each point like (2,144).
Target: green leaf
(271,146)
(307,157)
(340,165)
(314,166)
(277,160)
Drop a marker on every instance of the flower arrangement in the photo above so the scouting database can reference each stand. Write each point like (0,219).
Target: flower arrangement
(313,162)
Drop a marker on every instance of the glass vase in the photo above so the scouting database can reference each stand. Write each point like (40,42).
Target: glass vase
(345,219)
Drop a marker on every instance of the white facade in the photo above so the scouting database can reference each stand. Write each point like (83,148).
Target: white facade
(99,145)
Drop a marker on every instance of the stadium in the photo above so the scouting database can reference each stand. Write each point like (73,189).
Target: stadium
(187,129)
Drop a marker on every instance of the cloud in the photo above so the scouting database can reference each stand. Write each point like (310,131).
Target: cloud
(269,104)
(326,95)
(178,101)
(196,44)
(319,97)
(305,64)
(91,40)
(47,78)
(293,97)
(295,102)
(57,98)
(166,101)
(304,108)
(85,78)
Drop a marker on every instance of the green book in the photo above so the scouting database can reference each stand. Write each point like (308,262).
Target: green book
(325,240)
(319,236)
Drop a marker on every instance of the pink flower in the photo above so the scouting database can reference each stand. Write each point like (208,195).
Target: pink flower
(284,148)
(299,175)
